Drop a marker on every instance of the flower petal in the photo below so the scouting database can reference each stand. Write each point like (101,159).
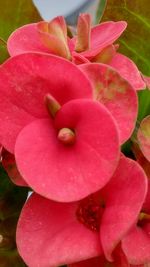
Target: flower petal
(25,39)
(69,173)
(146,80)
(49,234)
(116,94)
(146,205)
(54,36)
(83,33)
(106,55)
(125,194)
(24,82)
(143,136)
(103,35)
(136,246)
(120,260)
(128,70)
(78,59)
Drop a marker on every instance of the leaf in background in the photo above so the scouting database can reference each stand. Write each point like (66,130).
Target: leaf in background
(135,42)
(12,197)
(100,10)
(144,104)
(13,15)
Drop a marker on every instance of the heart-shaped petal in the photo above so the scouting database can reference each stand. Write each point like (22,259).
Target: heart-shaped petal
(128,70)
(125,195)
(25,39)
(136,245)
(25,80)
(116,94)
(49,234)
(69,172)
(102,35)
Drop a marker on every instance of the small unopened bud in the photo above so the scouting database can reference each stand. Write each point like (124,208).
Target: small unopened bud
(66,136)
(83,33)
(52,105)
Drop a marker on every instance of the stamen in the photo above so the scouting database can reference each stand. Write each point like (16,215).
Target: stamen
(66,136)
(89,213)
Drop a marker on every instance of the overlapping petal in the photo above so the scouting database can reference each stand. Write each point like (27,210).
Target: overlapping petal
(24,82)
(25,39)
(53,35)
(143,136)
(83,33)
(69,173)
(102,35)
(116,94)
(128,70)
(28,37)
(119,261)
(136,245)
(46,241)
(106,55)
(125,194)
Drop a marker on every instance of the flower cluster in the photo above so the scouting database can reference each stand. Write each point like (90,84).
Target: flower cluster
(68,103)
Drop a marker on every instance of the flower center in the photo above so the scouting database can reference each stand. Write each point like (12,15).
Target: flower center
(89,213)
(66,136)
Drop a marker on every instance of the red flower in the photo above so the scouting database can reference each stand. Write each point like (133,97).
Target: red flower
(66,157)
(51,37)
(90,44)
(51,233)
(24,82)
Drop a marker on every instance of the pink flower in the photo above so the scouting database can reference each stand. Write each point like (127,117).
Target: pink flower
(136,243)
(90,44)
(65,150)
(51,233)
(116,94)
(24,82)
(51,37)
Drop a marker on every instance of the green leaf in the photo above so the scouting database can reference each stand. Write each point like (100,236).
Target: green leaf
(135,42)
(12,197)
(14,14)
(100,10)
(144,104)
